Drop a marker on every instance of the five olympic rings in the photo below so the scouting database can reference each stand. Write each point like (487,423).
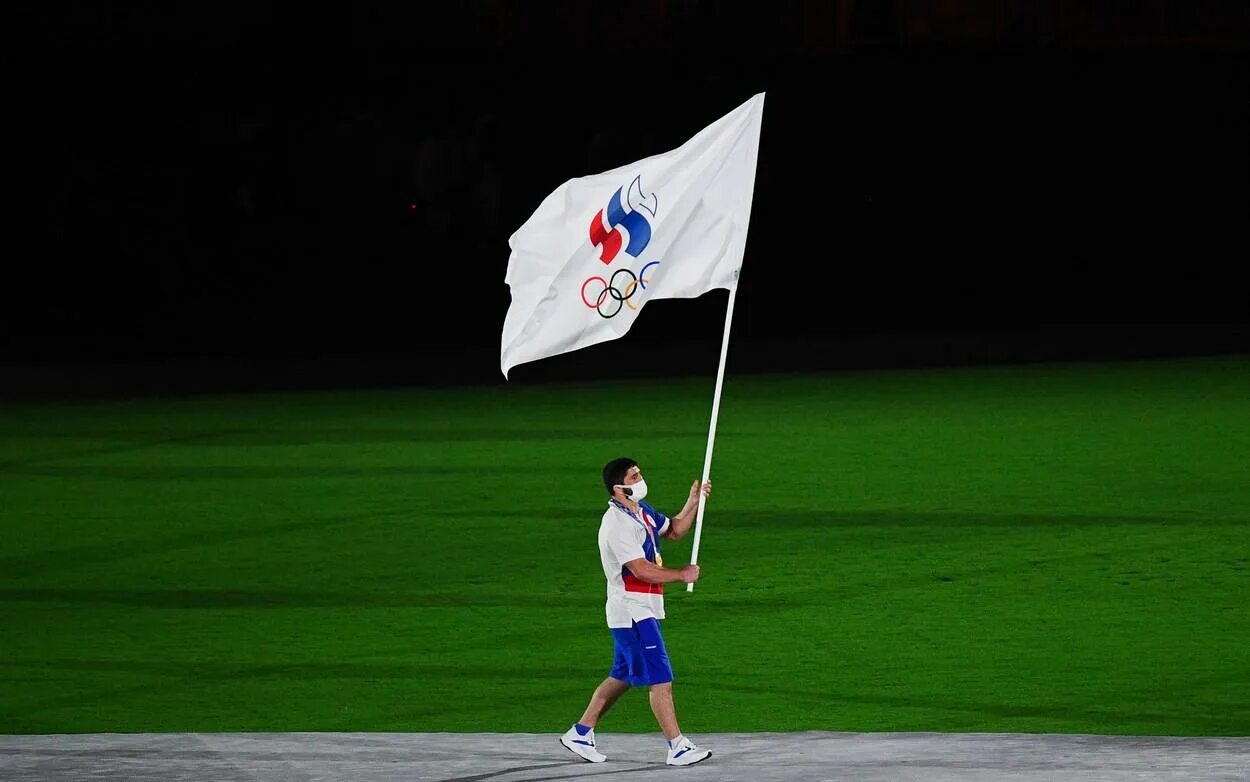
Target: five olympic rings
(611,292)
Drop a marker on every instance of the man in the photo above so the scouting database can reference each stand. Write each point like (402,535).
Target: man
(629,549)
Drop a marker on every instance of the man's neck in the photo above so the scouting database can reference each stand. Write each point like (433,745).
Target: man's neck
(631,505)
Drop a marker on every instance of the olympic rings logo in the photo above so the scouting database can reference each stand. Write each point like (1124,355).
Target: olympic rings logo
(610,297)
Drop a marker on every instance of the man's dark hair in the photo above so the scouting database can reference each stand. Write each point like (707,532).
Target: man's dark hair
(614,472)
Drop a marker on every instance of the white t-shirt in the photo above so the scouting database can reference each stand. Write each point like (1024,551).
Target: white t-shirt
(624,537)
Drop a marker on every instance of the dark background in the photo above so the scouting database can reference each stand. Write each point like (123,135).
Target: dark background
(249,195)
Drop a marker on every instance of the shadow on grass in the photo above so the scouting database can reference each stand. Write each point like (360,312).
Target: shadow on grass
(160,473)
(829,705)
(132,440)
(182,599)
(53,560)
(730,521)
(746,519)
(233,670)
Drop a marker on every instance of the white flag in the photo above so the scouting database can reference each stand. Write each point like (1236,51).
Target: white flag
(671,226)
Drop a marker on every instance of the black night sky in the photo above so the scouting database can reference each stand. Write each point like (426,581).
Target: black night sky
(236,194)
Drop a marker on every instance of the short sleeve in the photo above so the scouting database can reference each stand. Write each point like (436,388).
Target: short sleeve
(661,521)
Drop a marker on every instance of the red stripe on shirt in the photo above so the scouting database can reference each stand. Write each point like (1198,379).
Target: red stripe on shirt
(635,584)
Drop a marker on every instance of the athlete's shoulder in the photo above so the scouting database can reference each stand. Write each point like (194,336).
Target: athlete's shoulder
(652,510)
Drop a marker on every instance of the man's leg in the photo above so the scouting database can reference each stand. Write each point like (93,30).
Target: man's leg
(659,675)
(580,738)
(605,695)
(662,706)
(681,750)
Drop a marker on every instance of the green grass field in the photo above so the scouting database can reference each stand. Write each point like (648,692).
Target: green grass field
(1057,548)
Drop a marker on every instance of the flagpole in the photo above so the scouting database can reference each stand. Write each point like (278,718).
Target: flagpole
(711,434)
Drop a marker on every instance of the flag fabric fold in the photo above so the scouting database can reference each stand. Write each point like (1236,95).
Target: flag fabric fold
(599,247)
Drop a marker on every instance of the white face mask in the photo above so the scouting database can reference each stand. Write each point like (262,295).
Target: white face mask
(635,491)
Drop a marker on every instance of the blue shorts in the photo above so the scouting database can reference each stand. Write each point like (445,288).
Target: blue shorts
(640,656)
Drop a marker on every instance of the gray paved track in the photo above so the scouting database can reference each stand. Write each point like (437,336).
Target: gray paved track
(514,757)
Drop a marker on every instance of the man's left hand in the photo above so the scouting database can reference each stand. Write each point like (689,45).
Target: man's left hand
(694,491)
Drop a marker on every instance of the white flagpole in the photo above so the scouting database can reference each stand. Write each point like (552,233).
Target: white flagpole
(711,434)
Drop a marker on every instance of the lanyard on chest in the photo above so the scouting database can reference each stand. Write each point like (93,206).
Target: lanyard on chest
(643,522)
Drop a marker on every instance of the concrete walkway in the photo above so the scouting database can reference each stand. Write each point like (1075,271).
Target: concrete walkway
(518,757)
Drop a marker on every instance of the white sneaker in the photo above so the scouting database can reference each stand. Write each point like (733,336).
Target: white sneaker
(685,753)
(582,745)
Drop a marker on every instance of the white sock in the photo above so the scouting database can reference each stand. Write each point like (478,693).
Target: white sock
(676,741)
